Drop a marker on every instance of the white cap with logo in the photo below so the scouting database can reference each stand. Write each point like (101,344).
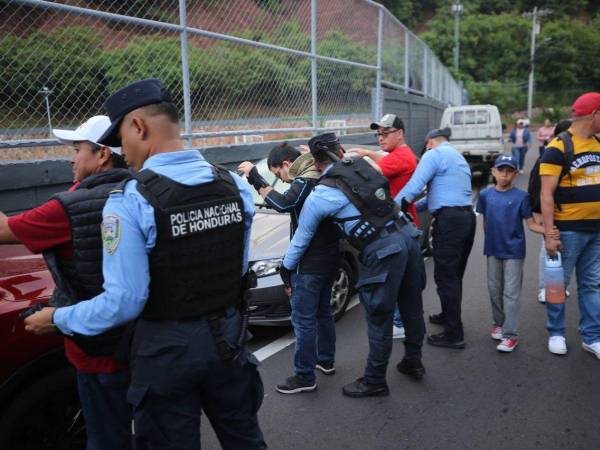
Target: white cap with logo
(91,130)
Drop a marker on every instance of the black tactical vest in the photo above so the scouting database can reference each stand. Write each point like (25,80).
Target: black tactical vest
(369,192)
(80,278)
(196,264)
(323,252)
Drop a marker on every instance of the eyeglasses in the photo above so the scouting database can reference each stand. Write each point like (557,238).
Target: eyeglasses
(384,134)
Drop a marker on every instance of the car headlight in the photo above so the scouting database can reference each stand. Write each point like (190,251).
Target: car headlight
(266,267)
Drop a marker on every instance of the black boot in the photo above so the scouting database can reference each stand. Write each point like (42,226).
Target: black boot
(360,388)
(412,367)
(437,319)
(443,340)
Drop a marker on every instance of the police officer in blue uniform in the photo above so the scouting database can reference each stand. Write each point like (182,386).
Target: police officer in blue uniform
(447,176)
(356,197)
(175,244)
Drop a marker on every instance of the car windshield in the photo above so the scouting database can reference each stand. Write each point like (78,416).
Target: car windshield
(277,184)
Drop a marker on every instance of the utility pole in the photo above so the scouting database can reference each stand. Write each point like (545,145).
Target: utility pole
(535,29)
(457,9)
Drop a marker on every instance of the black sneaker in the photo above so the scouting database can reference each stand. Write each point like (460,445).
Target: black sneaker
(360,388)
(437,319)
(295,385)
(326,367)
(412,367)
(442,340)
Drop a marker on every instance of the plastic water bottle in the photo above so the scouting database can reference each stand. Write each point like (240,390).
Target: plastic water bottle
(554,279)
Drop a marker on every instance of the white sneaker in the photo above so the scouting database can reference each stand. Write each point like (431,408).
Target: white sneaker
(542,295)
(398,333)
(567,293)
(592,348)
(557,345)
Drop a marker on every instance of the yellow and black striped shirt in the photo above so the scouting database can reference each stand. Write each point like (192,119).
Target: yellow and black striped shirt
(578,192)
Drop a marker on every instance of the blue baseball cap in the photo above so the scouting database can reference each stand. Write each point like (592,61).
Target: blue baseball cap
(123,101)
(505,160)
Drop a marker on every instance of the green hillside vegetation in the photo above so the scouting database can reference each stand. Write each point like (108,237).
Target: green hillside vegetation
(495,47)
(80,73)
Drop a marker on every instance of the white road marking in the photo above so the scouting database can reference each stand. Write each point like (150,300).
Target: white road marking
(285,341)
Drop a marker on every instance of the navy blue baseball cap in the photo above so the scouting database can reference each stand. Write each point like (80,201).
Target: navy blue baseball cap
(134,96)
(323,143)
(439,132)
(506,160)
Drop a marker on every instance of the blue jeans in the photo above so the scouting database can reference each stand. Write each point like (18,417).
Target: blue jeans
(581,251)
(398,318)
(107,414)
(519,154)
(313,322)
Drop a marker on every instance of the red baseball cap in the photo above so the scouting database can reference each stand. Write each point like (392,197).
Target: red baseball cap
(586,104)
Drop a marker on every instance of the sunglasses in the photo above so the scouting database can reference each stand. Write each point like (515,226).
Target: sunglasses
(384,134)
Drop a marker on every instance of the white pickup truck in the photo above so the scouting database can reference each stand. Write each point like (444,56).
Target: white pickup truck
(476,133)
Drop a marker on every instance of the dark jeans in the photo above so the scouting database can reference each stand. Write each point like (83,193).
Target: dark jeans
(177,373)
(107,414)
(312,321)
(453,233)
(392,274)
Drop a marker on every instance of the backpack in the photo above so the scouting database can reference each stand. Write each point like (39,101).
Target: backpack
(368,190)
(534,187)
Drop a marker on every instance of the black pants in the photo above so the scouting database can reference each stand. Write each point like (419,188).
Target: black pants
(177,373)
(453,233)
(392,275)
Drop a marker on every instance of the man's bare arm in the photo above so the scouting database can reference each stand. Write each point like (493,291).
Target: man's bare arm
(375,156)
(6,234)
(549,185)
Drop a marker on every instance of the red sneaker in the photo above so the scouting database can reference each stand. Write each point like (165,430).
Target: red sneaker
(507,345)
(496,333)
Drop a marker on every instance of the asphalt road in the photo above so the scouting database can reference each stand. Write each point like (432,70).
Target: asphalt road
(470,399)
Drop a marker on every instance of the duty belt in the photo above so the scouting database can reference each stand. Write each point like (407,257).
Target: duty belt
(446,208)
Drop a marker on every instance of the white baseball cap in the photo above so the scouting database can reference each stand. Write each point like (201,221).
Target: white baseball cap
(91,130)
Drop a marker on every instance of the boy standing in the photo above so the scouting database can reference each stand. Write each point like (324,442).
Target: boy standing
(504,207)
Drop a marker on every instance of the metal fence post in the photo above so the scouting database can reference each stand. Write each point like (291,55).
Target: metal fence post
(378,92)
(185,72)
(406,60)
(313,66)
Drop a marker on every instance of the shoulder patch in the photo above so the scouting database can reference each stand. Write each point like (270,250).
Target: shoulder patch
(111,233)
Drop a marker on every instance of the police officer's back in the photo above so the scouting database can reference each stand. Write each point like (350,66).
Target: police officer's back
(357,197)
(176,245)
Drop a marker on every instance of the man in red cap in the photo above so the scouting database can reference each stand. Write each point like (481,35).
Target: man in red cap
(570,199)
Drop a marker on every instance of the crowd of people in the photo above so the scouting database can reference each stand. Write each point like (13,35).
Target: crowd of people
(151,264)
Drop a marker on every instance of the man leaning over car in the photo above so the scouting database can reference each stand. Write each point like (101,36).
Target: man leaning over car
(311,282)
(66,229)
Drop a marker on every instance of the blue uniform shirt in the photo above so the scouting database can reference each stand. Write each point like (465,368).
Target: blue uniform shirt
(323,202)
(447,176)
(125,267)
(503,214)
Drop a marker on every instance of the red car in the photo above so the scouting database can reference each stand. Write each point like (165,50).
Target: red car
(39,405)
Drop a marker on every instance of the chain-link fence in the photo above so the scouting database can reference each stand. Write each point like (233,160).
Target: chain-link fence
(239,70)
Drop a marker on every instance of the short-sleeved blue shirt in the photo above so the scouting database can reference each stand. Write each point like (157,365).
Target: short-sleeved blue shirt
(504,213)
